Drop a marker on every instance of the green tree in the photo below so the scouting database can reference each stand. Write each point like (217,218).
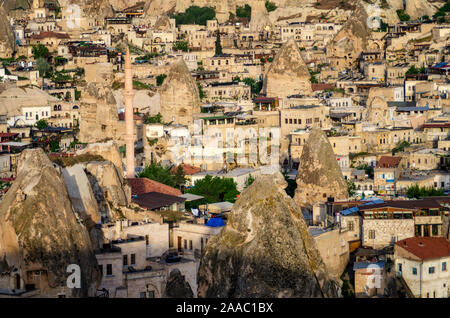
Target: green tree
(218,45)
(244,12)
(400,146)
(41,124)
(292,185)
(160,79)
(201,92)
(442,12)
(157,172)
(255,86)
(215,189)
(417,192)
(270,6)
(40,51)
(351,187)
(157,119)
(402,15)
(195,15)
(249,181)
(179,177)
(42,66)
(54,146)
(181,46)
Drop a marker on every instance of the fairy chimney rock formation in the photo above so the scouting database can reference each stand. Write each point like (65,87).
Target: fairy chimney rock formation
(288,74)
(265,250)
(180,98)
(39,231)
(319,175)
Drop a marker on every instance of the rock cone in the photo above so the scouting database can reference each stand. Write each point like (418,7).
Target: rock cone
(265,250)
(319,175)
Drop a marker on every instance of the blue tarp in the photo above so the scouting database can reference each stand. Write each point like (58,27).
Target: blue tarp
(370,201)
(215,222)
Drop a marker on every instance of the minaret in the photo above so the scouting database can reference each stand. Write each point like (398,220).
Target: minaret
(128,94)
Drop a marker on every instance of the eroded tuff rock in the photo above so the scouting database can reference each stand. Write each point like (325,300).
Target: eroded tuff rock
(39,231)
(353,38)
(177,286)
(418,8)
(319,175)
(265,250)
(99,119)
(179,95)
(7,38)
(260,17)
(288,74)
(159,7)
(108,150)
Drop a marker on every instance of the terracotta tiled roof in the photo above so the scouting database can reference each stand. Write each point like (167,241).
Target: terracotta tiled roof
(436,125)
(187,169)
(144,185)
(388,162)
(50,34)
(426,247)
(5,135)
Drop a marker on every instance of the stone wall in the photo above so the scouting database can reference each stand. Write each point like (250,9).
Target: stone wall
(385,230)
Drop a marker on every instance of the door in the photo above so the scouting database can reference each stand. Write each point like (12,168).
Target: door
(179,243)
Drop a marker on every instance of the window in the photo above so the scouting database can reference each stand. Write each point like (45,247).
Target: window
(125,260)
(151,294)
(190,245)
(444,266)
(100,269)
(108,269)
(133,259)
(350,226)
(431,270)
(143,295)
(185,244)
(414,271)
(372,234)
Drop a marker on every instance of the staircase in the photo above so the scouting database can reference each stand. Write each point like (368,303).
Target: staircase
(401,281)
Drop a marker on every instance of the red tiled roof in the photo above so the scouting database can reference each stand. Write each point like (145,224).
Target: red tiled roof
(144,185)
(436,125)
(50,34)
(426,247)
(187,169)
(4,135)
(388,162)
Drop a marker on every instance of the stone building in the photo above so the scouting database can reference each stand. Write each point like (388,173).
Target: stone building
(422,263)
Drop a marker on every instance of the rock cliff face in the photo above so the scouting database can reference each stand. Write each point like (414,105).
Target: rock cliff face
(352,39)
(39,231)
(159,7)
(288,74)
(260,17)
(99,118)
(109,151)
(265,250)
(319,175)
(177,286)
(7,38)
(418,8)
(179,95)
